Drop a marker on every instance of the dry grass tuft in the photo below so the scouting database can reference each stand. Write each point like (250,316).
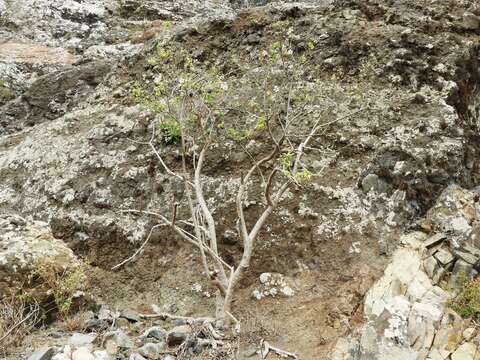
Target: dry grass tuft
(75,322)
(255,327)
(18,316)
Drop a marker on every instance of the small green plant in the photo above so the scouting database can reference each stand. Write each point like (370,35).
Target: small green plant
(61,285)
(171,131)
(6,94)
(303,176)
(152,62)
(163,53)
(261,123)
(286,161)
(137,91)
(239,135)
(467,302)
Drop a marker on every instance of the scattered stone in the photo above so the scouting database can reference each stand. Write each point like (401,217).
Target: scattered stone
(230,237)
(95,324)
(466,351)
(444,256)
(136,356)
(465,256)
(178,335)
(111,347)
(439,275)
(43,354)
(273,284)
(130,315)
(460,225)
(82,353)
(25,244)
(250,351)
(152,350)
(468,333)
(435,240)
(101,355)
(120,339)
(122,323)
(79,339)
(373,182)
(449,335)
(471,21)
(369,342)
(155,332)
(461,271)
(471,249)
(430,265)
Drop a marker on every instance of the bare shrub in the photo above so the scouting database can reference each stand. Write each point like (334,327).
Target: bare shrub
(199,109)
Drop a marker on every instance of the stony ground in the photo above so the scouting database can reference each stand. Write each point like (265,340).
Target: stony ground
(398,84)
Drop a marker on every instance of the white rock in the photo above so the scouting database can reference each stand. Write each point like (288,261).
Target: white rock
(265,277)
(101,355)
(428,311)
(79,339)
(460,225)
(42,354)
(468,333)
(444,256)
(405,267)
(465,351)
(419,286)
(430,265)
(82,353)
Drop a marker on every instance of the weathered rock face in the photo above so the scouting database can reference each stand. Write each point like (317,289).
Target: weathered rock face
(48,45)
(23,246)
(406,312)
(400,89)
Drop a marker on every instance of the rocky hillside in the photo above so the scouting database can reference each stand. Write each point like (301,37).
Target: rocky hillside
(393,175)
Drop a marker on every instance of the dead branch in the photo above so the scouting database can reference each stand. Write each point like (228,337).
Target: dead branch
(31,315)
(174,214)
(269,187)
(206,212)
(265,348)
(170,317)
(139,249)
(182,232)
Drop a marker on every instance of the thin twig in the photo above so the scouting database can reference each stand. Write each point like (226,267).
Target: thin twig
(18,324)
(139,249)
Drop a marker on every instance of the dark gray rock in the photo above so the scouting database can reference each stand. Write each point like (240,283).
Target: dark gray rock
(465,256)
(471,21)
(120,339)
(434,240)
(43,354)
(461,271)
(49,94)
(178,335)
(372,182)
(155,332)
(130,315)
(250,351)
(230,237)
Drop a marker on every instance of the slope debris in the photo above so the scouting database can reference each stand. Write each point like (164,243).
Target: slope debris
(369,259)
